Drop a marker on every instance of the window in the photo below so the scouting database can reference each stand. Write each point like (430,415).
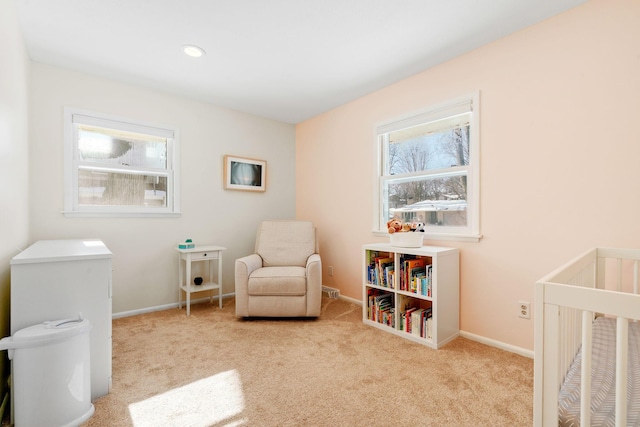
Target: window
(429,170)
(118,167)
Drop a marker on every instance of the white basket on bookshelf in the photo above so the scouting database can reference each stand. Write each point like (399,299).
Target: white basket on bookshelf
(406,239)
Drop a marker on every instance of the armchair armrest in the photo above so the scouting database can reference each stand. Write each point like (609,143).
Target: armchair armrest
(244,267)
(248,264)
(314,285)
(313,262)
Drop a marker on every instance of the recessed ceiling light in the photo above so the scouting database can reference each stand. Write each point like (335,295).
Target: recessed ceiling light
(193,50)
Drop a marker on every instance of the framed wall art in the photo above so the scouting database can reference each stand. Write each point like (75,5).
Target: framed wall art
(244,174)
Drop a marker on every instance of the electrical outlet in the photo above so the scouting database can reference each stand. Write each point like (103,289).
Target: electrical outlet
(524,309)
(330,270)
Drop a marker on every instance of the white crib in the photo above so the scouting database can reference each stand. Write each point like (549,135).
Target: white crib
(603,282)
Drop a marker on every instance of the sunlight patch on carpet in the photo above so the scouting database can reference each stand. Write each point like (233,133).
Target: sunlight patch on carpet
(200,404)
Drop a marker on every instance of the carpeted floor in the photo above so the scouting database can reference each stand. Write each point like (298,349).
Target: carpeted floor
(211,369)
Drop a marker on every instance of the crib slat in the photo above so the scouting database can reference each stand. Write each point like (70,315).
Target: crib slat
(551,363)
(635,279)
(622,348)
(585,386)
(635,276)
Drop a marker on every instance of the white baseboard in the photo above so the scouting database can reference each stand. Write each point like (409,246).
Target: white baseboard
(498,344)
(164,307)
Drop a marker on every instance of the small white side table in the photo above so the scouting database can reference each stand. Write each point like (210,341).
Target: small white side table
(199,253)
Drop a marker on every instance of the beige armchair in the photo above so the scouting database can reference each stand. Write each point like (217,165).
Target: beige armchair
(283,278)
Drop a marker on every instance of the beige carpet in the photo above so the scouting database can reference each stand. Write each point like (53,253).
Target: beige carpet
(211,369)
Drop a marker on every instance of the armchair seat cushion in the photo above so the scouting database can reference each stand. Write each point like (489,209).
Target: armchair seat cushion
(289,280)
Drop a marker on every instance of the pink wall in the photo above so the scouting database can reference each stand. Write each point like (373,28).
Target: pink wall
(560,159)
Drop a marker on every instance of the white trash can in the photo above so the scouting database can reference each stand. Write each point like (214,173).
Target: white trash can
(51,373)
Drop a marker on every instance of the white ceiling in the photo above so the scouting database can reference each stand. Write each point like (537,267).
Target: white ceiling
(287,60)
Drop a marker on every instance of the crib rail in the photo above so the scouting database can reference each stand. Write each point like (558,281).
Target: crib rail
(566,302)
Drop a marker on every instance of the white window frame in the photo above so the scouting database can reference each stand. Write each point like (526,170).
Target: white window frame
(73,117)
(464,104)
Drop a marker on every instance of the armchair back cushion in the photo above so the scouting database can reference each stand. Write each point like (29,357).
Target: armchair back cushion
(285,243)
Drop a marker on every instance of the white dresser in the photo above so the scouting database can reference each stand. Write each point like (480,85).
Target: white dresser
(57,279)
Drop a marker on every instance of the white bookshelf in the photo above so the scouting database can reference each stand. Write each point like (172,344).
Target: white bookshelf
(440,295)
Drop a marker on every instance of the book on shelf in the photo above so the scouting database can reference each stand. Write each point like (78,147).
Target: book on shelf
(409,266)
(402,277)
(413,270)
(380,307)
(371,266)
(389,276)
(425,323)
(415,279)
(417,321)
(416,325)
(421,279)
(384,266)
(408,319)
(429,280)
(429,326)
(379,269)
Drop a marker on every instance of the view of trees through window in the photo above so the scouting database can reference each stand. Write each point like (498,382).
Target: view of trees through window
(427,171)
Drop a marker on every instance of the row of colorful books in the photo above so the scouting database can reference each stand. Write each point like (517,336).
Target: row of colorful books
(420,281)
(416,275)
(415,272)
(380,307)
(381,269)
(417,321)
